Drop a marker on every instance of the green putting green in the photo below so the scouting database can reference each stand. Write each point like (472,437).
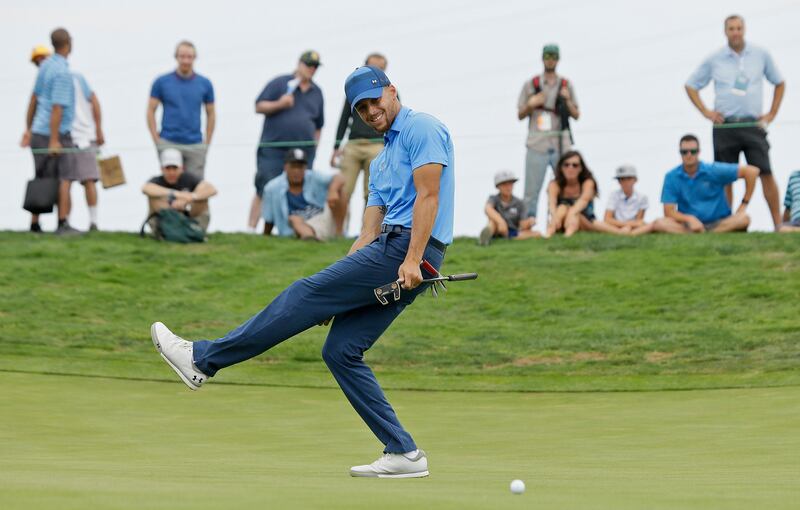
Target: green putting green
(79,442)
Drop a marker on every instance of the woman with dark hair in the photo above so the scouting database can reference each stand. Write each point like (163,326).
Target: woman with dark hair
(571,198)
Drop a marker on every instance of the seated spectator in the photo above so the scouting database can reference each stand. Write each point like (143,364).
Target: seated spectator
(626,207)
(791,213)
(694,194)
(571,196)
(304,203)
(508,216)
(179,190)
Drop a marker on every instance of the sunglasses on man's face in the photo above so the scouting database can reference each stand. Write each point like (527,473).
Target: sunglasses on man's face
(689,151)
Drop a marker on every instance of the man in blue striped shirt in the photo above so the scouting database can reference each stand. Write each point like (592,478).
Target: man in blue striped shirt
(791,215)
(50,122)
(738,71)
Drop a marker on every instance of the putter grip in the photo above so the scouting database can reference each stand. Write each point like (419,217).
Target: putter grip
(463,276)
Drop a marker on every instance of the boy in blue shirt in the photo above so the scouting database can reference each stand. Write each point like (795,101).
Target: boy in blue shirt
(694,194)
(791,213)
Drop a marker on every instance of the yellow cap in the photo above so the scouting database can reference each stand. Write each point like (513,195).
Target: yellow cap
(40,51)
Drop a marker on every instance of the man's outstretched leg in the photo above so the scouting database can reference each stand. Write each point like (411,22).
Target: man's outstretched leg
(352,333)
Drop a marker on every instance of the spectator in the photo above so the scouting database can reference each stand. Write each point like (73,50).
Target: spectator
(791,213)
(179,190)
(694,194)
(38,55)
(548,101)
(303,202)
(181,93)
(363,143)
(738,71)
(508,216)
(87,135)
(571,196)
(626,207)
(293,111)
(49,120)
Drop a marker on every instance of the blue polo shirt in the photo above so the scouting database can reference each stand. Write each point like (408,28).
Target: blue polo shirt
(53,86)
(724,66)
(181,101)
(703,195)
(275,204)
(792,199)
(415,139)
(297,123)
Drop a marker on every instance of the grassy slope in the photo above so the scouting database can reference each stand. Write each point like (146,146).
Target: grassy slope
(78,443)
(588,313)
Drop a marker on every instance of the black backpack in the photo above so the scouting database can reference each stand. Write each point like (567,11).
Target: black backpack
(174,226)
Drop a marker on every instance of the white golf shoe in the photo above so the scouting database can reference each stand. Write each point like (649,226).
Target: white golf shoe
(177,352)
(395,465)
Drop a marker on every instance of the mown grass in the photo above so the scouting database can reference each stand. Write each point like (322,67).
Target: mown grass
(588,313)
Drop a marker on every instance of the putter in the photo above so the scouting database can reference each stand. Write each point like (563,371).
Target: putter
(392,290)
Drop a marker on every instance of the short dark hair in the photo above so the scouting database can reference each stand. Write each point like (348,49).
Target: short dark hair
(689,138)
(375,55)
(733,17)
(60,38)
(187,44)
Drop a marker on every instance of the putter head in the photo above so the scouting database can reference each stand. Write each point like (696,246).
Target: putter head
(388,291)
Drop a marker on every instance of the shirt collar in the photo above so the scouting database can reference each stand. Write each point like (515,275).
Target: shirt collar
(701,169)
(55,57)
(732,53)
(397,125)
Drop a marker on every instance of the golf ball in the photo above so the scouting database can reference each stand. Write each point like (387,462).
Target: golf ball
(517,486)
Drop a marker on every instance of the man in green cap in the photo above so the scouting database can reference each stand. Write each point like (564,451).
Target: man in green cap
(547,100)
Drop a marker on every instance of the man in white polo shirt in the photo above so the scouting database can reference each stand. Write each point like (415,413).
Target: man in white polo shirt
(626,206)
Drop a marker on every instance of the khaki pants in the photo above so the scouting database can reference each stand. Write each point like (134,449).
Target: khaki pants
(194,156)
(357,156)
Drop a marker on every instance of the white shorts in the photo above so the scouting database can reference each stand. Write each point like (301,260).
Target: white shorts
(323,224)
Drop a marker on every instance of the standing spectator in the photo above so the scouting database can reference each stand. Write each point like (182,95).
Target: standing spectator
(626,206)
(738,71)
(38,55)
(363,144)
(49,120)
(303,202)
(181,93)
(571,196)
(507,214)
(694,194)
(791,213)
(548,101)
(293,111)
(87,135)
(179,190)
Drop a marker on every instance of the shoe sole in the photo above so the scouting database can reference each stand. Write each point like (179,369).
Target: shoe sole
(157,344)
(419,474)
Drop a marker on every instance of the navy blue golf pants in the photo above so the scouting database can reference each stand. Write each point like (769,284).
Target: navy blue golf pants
(344,290)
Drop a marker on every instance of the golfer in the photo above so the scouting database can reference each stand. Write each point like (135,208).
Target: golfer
(408,218)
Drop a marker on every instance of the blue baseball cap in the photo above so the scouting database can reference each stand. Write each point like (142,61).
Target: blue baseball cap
(366,82)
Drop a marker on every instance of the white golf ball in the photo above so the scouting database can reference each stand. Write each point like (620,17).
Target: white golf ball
(517,486)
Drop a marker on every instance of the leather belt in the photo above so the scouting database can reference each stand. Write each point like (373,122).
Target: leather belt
(398,229)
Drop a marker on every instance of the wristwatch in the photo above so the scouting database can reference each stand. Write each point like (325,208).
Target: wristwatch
(171,197)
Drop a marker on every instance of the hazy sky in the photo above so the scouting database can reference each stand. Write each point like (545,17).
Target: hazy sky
(462,61)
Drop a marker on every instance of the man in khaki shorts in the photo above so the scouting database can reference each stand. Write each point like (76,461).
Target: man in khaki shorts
(304,203)
(363,143)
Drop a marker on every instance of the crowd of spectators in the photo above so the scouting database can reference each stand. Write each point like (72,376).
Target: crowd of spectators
(295,199)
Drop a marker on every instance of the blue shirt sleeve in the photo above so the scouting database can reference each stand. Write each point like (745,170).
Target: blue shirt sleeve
(725,173)
(268,203)
(771,70)
(208,97)
(320,120)
(63,89)
(38,85)
(702,75)
(669,193)
(427,142)
(156,91)
(274,90)
(374,197)
(794,181)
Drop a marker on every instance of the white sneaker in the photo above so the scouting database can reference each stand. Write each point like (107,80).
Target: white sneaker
(395,465)
(177,352)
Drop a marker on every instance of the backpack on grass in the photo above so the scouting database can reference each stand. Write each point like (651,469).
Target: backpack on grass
(174,226)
